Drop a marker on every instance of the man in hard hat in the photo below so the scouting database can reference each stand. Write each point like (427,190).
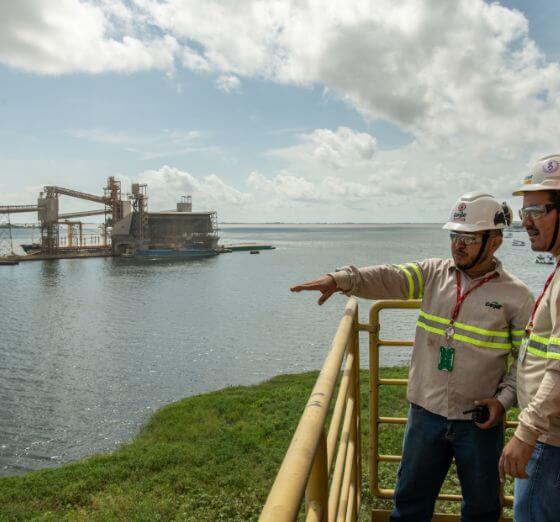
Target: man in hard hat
(472,318)
(533,453)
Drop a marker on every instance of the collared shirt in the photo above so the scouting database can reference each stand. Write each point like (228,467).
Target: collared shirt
(488,330)
(538,373)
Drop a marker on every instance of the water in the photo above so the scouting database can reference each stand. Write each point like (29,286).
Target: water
(90,348)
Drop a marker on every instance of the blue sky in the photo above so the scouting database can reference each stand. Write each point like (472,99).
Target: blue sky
(292,113)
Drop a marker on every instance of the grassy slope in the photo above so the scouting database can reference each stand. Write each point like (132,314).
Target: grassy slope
(211,457)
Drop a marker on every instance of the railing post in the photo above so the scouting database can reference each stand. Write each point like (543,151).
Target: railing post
(358,420)
(373,399)
(316,492)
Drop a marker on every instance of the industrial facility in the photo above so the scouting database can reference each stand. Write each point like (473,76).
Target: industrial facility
(128,230)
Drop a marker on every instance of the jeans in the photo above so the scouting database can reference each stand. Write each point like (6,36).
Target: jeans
(537,499)
(430,443)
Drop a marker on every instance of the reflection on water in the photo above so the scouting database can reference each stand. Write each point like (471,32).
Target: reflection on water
(90,348)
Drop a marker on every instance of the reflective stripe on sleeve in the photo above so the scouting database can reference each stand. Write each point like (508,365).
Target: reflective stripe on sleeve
(414,279)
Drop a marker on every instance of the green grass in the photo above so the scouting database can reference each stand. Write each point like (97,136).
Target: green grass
(211,457)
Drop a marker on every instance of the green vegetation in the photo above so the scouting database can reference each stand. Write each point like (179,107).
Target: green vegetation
(211,457)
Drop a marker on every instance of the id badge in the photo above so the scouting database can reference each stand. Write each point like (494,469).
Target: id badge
(523,349)
(446,358)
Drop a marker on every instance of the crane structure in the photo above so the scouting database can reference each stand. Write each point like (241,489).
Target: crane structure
(128,228)
(51,219)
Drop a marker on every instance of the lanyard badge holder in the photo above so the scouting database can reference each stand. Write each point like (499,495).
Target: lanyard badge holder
(447,352)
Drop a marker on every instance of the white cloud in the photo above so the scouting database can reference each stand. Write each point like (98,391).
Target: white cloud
(68,36)
(339,149)
(462,72)
(463,78)
(167,184)
(228,83)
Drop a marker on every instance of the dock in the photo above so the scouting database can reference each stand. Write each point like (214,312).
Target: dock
(245,247)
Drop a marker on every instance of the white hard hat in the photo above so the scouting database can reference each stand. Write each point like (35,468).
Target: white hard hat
(478,211)
(545,175)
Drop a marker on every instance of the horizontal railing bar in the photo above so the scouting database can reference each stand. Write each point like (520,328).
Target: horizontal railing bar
(388,493)
(392,420)
(337,476)
(348,466)
(394,382)
(339,410)
(394,342)
(315,513)
(284,500)
(389,458)
(351,496)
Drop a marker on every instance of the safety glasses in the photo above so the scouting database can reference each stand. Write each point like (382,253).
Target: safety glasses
(466,239)
(536,211)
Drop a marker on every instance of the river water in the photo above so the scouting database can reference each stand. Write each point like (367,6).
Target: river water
(90,348)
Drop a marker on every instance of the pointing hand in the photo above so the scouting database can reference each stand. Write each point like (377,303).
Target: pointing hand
(326,285)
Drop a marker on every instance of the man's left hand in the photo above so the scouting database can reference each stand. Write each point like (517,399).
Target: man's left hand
(496,410)
(514,459)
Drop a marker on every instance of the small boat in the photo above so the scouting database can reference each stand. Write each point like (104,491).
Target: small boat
(518,242)
(254,252)
(31,248)
(547,259)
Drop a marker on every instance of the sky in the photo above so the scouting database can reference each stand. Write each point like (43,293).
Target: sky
(292,110)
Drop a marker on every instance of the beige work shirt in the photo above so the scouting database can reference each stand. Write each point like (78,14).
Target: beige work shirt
(538,373)
(488,330)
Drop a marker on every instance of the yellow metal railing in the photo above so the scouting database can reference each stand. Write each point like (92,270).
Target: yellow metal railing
(375,420)
(307,469)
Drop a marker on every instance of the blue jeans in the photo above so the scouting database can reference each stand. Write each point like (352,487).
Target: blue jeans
(430,443)
(537,499)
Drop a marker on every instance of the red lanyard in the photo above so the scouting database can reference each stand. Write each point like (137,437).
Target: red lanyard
(539,299)
(461,297)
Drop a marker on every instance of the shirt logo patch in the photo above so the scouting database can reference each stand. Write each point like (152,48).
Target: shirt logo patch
(493,304)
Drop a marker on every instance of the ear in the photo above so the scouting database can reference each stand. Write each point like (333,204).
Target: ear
(495,242)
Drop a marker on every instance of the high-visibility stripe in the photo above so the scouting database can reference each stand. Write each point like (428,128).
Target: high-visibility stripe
(463,326)
(516,343)
(420,278)
(537,352)
(483,344)
(538,346)
(539,339)
(465,338)
(518,333)
(428,328)
(553,351)
(409,279)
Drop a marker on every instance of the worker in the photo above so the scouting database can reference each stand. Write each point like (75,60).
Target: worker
(533,453)
(471,321)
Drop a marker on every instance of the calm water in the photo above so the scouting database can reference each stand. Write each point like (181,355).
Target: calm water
(90,348)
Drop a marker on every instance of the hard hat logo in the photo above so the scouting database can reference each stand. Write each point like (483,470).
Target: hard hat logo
(550,166)
(459,214)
